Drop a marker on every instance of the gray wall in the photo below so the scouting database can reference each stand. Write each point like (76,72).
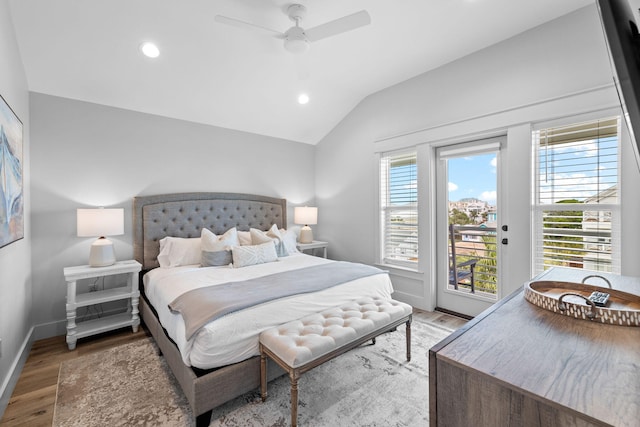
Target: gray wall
(551,71)
(86,155)
(15,259)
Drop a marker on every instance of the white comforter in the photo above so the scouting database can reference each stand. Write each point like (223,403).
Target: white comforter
(234,337)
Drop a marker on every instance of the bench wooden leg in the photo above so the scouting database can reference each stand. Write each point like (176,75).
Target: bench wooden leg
(263,374)
(294,376)
(408,329)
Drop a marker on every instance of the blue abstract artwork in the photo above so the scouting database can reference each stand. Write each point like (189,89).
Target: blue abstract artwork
(11,194)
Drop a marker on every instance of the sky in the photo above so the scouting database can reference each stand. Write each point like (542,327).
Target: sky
(576,170)
(573,170)
(473,176)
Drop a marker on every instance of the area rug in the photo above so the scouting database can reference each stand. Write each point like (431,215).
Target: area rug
(372,385)
(128,385)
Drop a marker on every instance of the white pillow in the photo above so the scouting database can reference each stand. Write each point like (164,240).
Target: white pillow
(258,236)
(177,251)
(211,242)
(274,235)
(244,256)
(216,250)
(244,237)
(290,240)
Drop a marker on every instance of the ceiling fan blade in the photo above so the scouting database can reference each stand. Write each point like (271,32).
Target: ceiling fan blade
(247,25)
(340,25)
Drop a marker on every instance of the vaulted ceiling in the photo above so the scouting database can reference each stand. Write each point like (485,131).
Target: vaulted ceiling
(232,77)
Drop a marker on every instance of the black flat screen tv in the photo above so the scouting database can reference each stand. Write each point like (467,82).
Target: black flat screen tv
(623,41)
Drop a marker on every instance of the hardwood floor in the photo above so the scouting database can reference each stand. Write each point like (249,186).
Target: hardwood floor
(33,399)
(444,320)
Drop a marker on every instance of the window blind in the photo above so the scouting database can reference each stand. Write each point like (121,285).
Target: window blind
(577,202)
(399,209)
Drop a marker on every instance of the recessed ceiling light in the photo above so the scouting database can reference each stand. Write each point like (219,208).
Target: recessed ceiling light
(303,98)
(149,49)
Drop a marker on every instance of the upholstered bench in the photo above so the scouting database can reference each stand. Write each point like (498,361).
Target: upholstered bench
(303,344)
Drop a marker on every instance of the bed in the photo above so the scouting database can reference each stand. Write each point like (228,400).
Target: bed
(209,373)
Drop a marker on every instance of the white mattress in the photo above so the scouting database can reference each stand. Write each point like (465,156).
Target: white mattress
(234,337)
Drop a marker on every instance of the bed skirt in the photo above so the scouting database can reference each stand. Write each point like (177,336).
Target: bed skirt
(212,389)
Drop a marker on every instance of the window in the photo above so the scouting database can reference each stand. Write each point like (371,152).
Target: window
(399,209)
(577,197)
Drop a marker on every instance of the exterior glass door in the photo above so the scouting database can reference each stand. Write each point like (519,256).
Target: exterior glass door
(467,224)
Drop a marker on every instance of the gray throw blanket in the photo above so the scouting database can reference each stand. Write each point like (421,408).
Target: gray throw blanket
(200,306)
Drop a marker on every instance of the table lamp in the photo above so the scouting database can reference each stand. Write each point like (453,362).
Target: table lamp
(306,216)
(100,222)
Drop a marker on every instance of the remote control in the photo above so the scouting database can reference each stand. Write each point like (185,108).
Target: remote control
(599,298)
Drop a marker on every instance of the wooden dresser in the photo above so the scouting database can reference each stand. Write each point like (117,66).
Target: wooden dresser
(519,365)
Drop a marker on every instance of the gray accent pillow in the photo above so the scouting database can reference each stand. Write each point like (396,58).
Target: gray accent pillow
(216,258)
(281,250)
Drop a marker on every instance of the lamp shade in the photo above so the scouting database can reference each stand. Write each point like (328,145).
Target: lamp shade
(305,215)
(100,222)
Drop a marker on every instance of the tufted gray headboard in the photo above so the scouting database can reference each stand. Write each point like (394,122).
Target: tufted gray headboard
(185,214)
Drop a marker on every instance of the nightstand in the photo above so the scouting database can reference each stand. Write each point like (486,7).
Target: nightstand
(106,323)
(316,244)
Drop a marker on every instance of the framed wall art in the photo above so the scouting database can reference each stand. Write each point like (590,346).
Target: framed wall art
(11,191)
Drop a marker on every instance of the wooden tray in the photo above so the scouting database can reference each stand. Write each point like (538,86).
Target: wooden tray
(571,299)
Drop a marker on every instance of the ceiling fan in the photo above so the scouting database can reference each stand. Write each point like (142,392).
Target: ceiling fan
(297,39)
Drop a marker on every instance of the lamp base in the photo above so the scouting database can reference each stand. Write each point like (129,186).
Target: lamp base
(102,253)
(306,234)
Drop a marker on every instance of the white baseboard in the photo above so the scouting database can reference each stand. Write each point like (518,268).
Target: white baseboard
(14,373)
(49,330)
(412,300)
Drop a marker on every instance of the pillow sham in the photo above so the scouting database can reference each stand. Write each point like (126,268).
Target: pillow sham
(290,240)
(258,237)
(177,251)
(245,238)
(216,251)
(244,256)
(273,235)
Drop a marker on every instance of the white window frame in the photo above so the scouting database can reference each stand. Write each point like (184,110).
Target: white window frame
(409,257)
(538,209)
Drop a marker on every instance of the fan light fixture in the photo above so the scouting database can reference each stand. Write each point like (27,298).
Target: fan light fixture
(296,41)
(296,38)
